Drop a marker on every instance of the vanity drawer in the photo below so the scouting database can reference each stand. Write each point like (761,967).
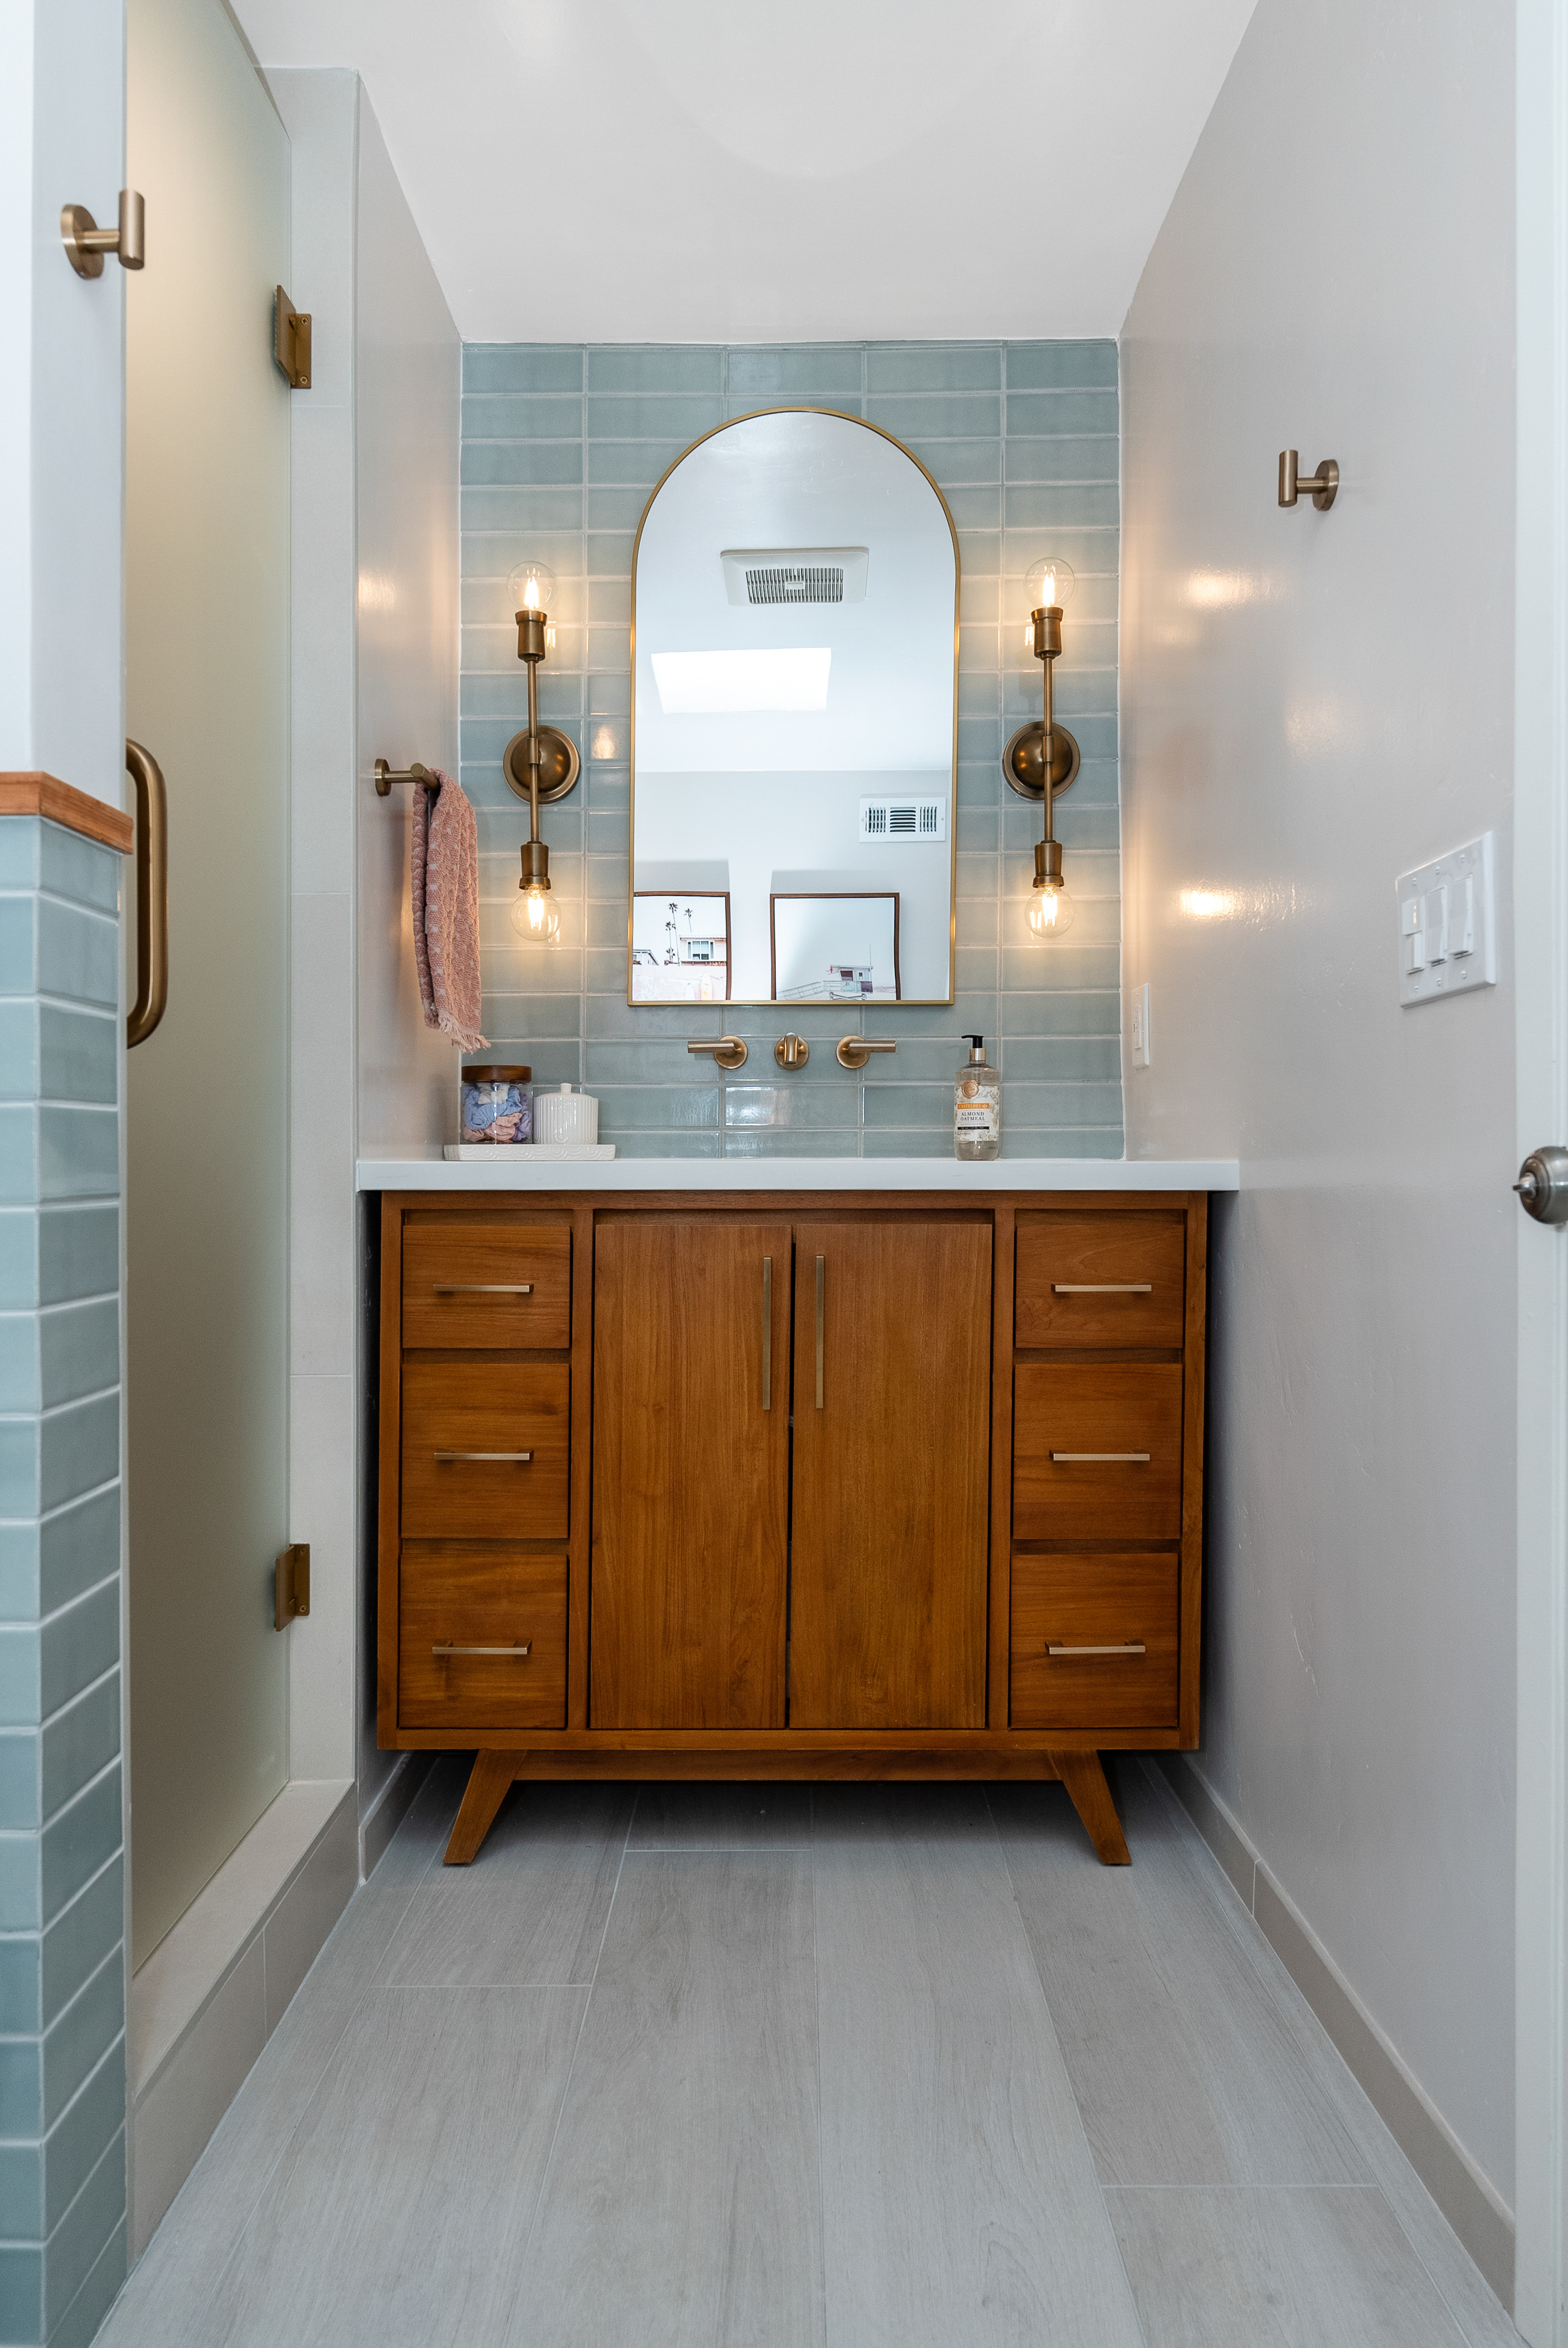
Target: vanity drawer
(1100,1280)
(1077,1605)
(486,1284)
(453,1411)
(1097,1451)
(473,1595)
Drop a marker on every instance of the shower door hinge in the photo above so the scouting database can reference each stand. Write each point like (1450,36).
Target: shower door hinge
(292,341)
(292,1584)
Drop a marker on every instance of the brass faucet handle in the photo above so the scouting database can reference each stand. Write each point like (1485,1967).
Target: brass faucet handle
(729,1051)
(854,1051)
(792,1051)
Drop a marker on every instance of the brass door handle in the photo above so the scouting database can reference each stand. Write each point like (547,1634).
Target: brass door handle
(767,1333)
(521,1457)
(1138,1458)
(483,1288)
(854,1051)
(151,894)
(729,1051)
(520,1649)
(821,1285)
(1128,1647)
(1103,1288)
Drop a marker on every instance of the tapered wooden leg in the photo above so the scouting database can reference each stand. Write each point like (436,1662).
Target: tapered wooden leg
(1085,1779)
(482,1797)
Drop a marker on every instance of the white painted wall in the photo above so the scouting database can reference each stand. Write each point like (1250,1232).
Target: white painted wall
(62,140)
(375,453)
(1312,704)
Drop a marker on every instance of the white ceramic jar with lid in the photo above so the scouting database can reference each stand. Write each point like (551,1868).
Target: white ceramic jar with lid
(565,1116)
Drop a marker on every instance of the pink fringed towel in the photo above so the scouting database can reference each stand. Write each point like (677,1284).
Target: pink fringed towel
(444,880)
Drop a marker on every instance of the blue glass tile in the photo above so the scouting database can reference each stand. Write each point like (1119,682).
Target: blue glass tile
(522,416)
(928,417)
(1031,413)
(489,509)
(72,2250)
(84,2132)
(77,1055)
(20,1381)
(79,2324)
(75,1846)
(20,850)
(757,1142)
(624,1107)
(673,1142)
(72,866)
(80,1937)
(798,1102)
(17,916)
(18,1050)
(643,418)
(77,1646)
(767,374)
(79,954)
(1058,366)
(21,2089)
(19,1472)
(661,369)
(77,1549)
(19,1779)
(19,1995)
(78,1742)
(933,366)
(1082,458)
(78,1448)
(522,367)
(22,2190)
(18,1884)
(522,461)
(78,1152)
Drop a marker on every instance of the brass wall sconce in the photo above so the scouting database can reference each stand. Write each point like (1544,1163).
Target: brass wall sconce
(1324,483)
(541,763)
(86,242)
(729,1051)
(854,1051)
(1042,760)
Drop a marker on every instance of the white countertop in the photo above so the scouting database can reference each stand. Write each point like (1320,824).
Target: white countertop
(512,1171)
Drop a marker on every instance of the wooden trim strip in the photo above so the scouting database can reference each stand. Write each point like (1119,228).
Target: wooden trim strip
(40,794)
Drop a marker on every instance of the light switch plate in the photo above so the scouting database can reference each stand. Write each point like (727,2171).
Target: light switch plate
(1447,923)
(1140,1005)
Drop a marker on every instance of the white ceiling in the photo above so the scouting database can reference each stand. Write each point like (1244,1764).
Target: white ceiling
(760,170)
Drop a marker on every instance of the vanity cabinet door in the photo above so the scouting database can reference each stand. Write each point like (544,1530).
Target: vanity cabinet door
(892,1434)
(691,1468)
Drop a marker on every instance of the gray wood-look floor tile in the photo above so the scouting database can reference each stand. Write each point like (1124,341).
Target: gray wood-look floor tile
(682,2208)
(166,2296)
(1460,2282)
(690,1816)
(1184,2066)
(961,2208)
(1276,2267)
(531,1908)
(398,2215)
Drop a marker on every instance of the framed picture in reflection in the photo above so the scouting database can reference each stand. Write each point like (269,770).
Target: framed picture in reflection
(680,947)
(829,946)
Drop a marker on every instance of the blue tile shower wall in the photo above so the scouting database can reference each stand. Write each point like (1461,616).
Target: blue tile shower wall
(562,446)
(62,1959)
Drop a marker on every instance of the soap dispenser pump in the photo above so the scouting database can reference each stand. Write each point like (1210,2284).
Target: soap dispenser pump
(977,1105)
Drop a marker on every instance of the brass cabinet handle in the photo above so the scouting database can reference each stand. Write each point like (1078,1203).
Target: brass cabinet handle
(522,1457)
(483,1287)
(767,1333)
(151,894)
(1128,1647)
(520,1649)
(1139,1458)
(1103,1288)
(821,1284)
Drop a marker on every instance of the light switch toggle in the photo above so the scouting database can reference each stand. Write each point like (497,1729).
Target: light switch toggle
(1447,923)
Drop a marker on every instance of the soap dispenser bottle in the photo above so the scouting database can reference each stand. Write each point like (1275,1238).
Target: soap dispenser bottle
(977,1105)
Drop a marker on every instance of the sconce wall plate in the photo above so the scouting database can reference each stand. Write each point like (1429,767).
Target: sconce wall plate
(559,765)
(292,341)
(86,242)
(1324,483)
(1023,760)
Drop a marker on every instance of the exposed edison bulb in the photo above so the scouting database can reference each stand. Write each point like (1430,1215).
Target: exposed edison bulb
(532,587)
(1048,912)
(1046,582)
(534,917)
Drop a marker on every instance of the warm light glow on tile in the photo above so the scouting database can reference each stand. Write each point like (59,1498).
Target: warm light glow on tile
(1209,904)
(723,683)
(1219,591)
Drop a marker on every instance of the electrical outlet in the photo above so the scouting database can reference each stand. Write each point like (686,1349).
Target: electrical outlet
(1141,1052)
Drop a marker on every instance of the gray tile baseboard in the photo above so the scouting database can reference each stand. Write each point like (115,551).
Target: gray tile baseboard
(389,1809)
(1466,2198)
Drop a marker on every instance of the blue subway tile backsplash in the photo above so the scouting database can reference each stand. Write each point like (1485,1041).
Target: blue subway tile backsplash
(562,446)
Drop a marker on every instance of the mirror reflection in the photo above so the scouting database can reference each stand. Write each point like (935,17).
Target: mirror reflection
(794,600)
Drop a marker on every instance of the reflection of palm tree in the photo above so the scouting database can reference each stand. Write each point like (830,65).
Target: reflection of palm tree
(669,954)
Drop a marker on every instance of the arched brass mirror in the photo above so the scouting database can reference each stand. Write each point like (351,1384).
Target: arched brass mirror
(794,603)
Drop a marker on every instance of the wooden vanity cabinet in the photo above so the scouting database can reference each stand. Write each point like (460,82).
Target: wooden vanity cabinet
(791,1485)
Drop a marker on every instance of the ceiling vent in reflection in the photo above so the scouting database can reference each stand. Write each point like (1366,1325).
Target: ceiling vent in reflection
(904,819)
(795,574)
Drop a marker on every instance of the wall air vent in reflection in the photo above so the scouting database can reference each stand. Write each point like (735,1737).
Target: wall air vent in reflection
(904,819)
(795,574)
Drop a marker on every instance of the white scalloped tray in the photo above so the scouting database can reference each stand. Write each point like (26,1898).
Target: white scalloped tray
(545,1153)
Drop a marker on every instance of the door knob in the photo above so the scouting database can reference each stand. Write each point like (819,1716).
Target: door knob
(792,1051)
(1542,1185)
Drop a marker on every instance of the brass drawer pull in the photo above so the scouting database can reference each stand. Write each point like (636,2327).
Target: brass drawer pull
(520,1458)
(1140,1459)
(520,1649)
(821,1285)
(1128,1647)
(767,1333)
(1103,1288)
(483,1288)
